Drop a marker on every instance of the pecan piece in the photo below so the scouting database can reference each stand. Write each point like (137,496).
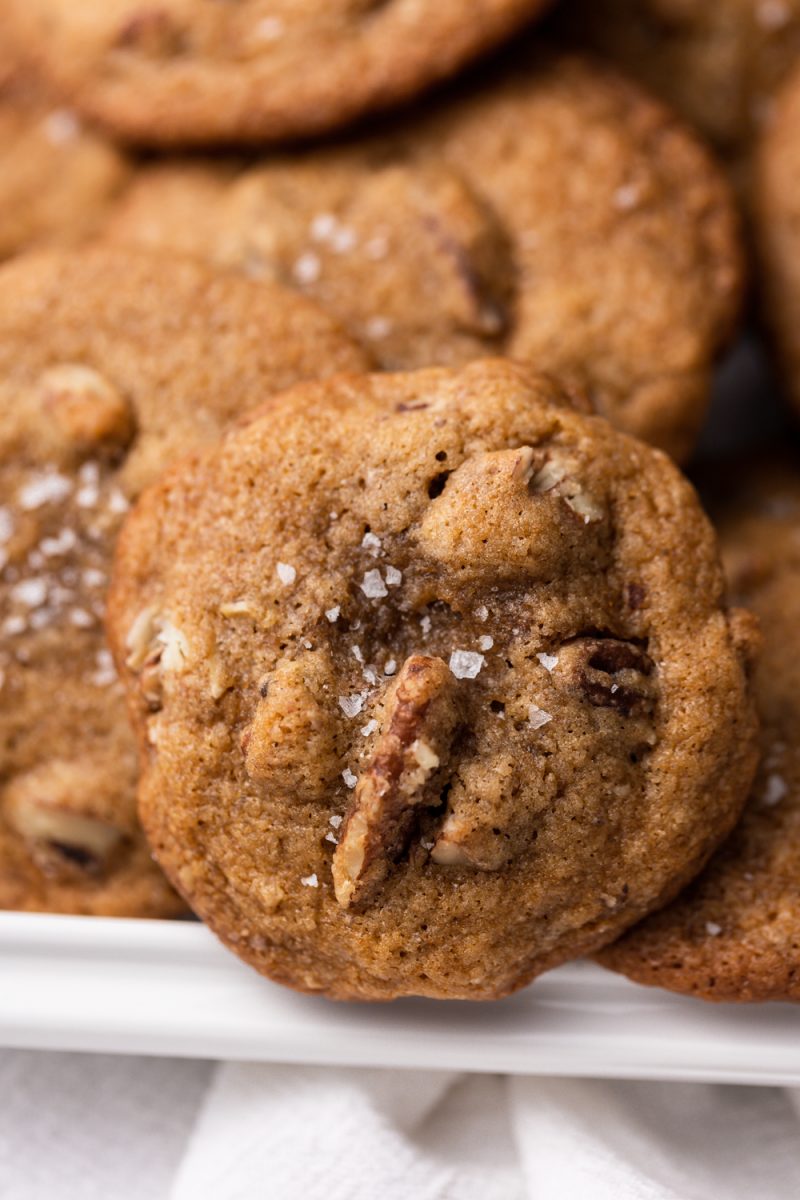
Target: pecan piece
(87,409)
(610,673)
(48,808)
(155,645)
(291,731)
(422,714)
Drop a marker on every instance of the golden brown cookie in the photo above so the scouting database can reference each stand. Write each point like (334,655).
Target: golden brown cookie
(718,64)
(200,71)
(734,934)
(57,178)
(111,365)
(434,691)
(777,228)
(558,216)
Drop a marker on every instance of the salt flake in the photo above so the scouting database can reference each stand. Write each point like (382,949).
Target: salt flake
(394,577)
(286,573)
(538,717)
(309,881)
(548,661)
(350,779)
(466,664)
(373,586)
(486,642)
(333,614)
(713,929)
(351,706)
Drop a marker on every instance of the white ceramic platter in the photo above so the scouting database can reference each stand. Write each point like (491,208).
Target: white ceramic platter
(169,988)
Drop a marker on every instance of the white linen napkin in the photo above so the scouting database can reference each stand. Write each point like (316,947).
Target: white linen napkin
(80,1127)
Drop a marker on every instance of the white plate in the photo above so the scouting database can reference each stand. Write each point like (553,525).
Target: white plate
(139,987)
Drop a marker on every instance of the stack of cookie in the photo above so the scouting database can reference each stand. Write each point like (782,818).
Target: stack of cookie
(416,672)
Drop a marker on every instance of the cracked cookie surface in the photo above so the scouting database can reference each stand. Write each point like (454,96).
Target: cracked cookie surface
(111,365)
(197,71)
(734,934)
(556,215)
(452,694)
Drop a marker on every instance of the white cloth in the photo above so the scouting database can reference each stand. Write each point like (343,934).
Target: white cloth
(76,1127)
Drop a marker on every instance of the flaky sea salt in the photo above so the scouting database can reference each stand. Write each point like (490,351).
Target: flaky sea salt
(357,653)
(548,661)
(65,541)
(333,614)
(45,489)
(378,328)
(307,269)
(774,791)
(371,542)
(713,929)
(30,592)
(81,619)
(394,577)
(286,573)
(482,612)
(372,586)
(335,820)
(331,837)
(466,664)
(485,642)
(627,197)
(309,881)
(61,126)
(350,779)
(426,625)
(369,728)
(351,706)
(390,666)
(370,676)
(322,226)
(537,716)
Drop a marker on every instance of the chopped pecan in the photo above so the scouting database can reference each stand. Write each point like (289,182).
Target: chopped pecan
(421,717)
(46,807)
(560,473)
(86,407)
(610,673)
(155,645)
(291,730)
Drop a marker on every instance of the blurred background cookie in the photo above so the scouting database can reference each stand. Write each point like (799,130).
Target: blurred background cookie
(448,696)
(111,365)
(198,71)
(718,64)
(57,178)
(734,934)
(777,229)
(556,214)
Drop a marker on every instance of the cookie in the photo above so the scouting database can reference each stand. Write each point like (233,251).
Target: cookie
(433,692)
(776,216)
(557,216)
(57,178)
(718,64)
(735,933)
(111,365)
(196,71)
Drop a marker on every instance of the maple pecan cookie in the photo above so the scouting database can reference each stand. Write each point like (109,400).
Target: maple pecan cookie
(556,215)
(718,64)
(111,365)
(57,178)
(734,934)
(197,71)
(433,692)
